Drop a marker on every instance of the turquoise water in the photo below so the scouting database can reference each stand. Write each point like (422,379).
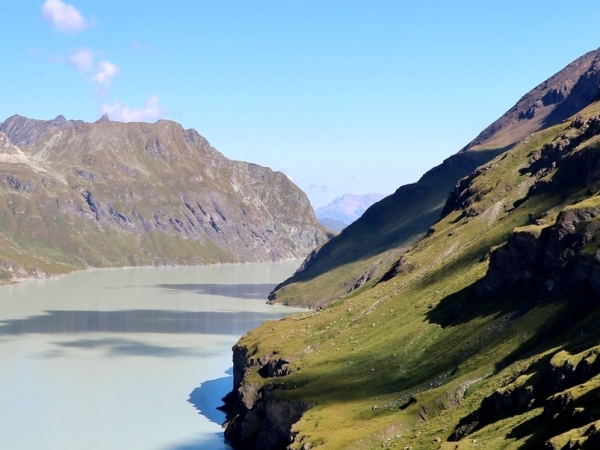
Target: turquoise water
(126,358)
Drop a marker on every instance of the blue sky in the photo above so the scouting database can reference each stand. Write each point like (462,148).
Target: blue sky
(343,96)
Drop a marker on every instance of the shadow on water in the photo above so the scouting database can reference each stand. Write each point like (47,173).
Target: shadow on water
(129,347)
(207,397)
(246,291)
(138,321)
(250,291)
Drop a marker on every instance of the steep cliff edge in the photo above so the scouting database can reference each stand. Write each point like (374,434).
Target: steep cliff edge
(256,417)
(400,220)
(76,195)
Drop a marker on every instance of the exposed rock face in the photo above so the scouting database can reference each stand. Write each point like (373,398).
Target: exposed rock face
(551,385)
(560,256)
(23,131)
(256,418)
(551,102)
(111,194)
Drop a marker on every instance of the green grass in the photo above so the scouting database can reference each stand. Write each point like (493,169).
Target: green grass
(425,335)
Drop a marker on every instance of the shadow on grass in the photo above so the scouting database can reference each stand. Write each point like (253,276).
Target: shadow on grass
(398,220)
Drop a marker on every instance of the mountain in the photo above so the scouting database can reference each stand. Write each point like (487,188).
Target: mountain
(362,251)
(332,224)
(347,208)
(76,195)
(483,334)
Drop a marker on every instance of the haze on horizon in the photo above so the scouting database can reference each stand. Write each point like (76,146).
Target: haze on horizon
(343,97)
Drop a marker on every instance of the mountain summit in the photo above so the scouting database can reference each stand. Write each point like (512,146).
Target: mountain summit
(348,207)
(76,195)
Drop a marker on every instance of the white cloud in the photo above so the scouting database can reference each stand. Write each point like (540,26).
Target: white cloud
(82,59)
(151,112)
(64,17)
(105,72)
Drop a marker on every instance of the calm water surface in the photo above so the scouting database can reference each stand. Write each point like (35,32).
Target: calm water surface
(126,358)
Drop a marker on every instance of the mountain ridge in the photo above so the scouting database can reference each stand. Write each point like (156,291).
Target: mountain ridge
(348,207)
(76,195)
(483,334)
(413,208)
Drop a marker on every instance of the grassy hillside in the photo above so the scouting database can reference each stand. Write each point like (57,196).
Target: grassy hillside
(483,335)
(362,250)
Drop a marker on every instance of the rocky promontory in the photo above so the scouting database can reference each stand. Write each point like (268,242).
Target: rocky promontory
(256,417)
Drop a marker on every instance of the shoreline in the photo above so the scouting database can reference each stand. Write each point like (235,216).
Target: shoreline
(18,280)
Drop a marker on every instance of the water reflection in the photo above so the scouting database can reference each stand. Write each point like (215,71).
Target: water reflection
(137,321)
(128,347)
(249,291)
(214,442)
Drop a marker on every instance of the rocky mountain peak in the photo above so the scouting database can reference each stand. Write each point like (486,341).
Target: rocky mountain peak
(156,192)
(552,101)
(22,130)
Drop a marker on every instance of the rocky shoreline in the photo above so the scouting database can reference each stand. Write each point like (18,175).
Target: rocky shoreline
(256,418)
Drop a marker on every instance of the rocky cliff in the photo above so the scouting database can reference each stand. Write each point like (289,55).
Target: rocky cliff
(256,417)
(76,195)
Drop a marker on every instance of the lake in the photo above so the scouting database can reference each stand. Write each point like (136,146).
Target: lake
(126,358)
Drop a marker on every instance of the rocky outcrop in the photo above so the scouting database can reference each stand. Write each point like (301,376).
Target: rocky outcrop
(549,103)
(113,194)
(561,259)
(556,386)
(256,418)
(22,130)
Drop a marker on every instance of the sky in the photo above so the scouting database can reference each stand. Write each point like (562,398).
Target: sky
(342,96)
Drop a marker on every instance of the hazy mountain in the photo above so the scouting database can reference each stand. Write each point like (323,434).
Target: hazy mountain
(484,333)
(75,195)
(348,208)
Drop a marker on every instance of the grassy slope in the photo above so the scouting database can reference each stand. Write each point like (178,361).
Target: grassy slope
(403,218)
(422,335)
(379,237)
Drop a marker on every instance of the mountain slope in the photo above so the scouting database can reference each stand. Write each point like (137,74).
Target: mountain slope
(362,250)
(76,195)
(485,334)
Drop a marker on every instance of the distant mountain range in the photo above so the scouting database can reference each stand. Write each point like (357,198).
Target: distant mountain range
(346,209)
(109,194)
